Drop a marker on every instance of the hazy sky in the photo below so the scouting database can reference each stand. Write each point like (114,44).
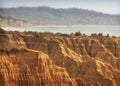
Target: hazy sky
(105,6)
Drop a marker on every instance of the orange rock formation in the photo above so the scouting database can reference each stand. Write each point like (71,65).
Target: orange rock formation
(46,59)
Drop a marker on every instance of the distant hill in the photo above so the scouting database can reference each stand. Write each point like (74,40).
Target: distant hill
(68,16)
(8,21)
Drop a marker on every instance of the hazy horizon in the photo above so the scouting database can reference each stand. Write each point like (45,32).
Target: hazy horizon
(104,6)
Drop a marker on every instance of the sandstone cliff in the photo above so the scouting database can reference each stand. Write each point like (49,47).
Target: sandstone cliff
(46,59)
(9,21)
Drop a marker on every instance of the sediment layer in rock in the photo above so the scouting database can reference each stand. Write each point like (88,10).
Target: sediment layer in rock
(46,59)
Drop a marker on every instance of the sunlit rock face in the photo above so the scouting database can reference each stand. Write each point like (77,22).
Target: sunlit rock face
(46,59)
(31,68)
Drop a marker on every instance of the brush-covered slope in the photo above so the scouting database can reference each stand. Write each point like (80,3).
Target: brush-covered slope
(70,16)
(46,59)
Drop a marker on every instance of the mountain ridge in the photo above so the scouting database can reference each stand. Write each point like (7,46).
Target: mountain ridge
(68,16)
(47,7)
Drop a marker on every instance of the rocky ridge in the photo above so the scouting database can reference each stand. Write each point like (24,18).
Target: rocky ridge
(46,59)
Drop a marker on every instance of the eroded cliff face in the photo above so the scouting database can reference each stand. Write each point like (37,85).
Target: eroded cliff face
(45,59)
(31,68)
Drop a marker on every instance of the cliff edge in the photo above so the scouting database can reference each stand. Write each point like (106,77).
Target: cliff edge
(47,59)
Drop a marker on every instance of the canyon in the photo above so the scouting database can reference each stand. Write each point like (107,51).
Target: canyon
(47,59)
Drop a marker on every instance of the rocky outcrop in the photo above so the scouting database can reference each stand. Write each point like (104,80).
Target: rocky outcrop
(31,68)
(91,58)
(46,59)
